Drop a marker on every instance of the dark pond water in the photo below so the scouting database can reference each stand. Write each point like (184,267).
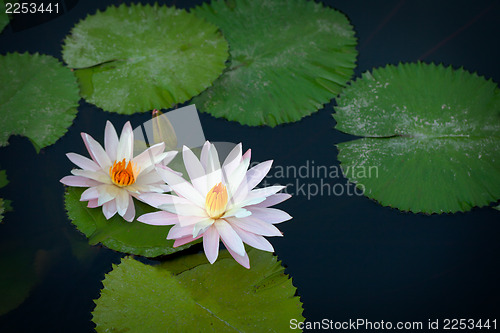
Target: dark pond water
(349,257)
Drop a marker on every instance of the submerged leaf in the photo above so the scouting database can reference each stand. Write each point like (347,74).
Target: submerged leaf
(2,209)
(288,58)
(18,274)
(5,205)
(116,233)
(143,57)
(38,98)
(431,141)
(190,295)
(3,178)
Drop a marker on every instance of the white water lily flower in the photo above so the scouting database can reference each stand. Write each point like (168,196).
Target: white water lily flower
(113,175)
(219,202)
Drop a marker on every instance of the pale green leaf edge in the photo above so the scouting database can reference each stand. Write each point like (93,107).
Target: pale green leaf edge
(325,87)
(163,97)
(178,275)
(69,90)
(338,126)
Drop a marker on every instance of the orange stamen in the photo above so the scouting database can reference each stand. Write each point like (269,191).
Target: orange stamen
(122,173)
(216,201)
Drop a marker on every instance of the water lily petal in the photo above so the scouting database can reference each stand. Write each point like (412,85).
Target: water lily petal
(230,237)
(148,178)
(83,162)
(179,232)
(126,143)
(122,200)
(247,155)
(130,213)
(242,260)
(269,215)
(237,211)
(109,209)
(78,181)
(158,199)
(137,189)
(252,178)
(92,203)
(273,200)
(151,156)
(169,157)
(254,225)
(263,192)
(204,154)
(159,218)
(185,210)
(181,187)
(253,240)
(89,194)
(232,160)
(99,175)
(255,175)
(185,240)
(212,168)
(195,171)
(110,141)
(235,179)
(201,227)
(211,243)
(107,193)
(97,152)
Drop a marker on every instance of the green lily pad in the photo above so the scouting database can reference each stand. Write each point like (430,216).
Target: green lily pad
(116,233)
(497,207)
(189,296)
(431,137)
(288,58)
(38,98)
(142,57)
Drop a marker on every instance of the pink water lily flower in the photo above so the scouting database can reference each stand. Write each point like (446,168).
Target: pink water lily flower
(113,175)
(219,203)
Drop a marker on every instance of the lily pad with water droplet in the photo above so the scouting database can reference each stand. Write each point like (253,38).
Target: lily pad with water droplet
(137,58)
(191,295)
(431,136)
(38,98)
(287,59)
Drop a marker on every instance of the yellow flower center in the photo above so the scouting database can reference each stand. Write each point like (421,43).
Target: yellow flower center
(122,173)
(216,201)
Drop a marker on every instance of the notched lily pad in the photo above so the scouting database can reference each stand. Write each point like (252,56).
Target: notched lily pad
(431,136)
(140,57)
(186,295)
(38,98)
(116,233)
(288,58)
